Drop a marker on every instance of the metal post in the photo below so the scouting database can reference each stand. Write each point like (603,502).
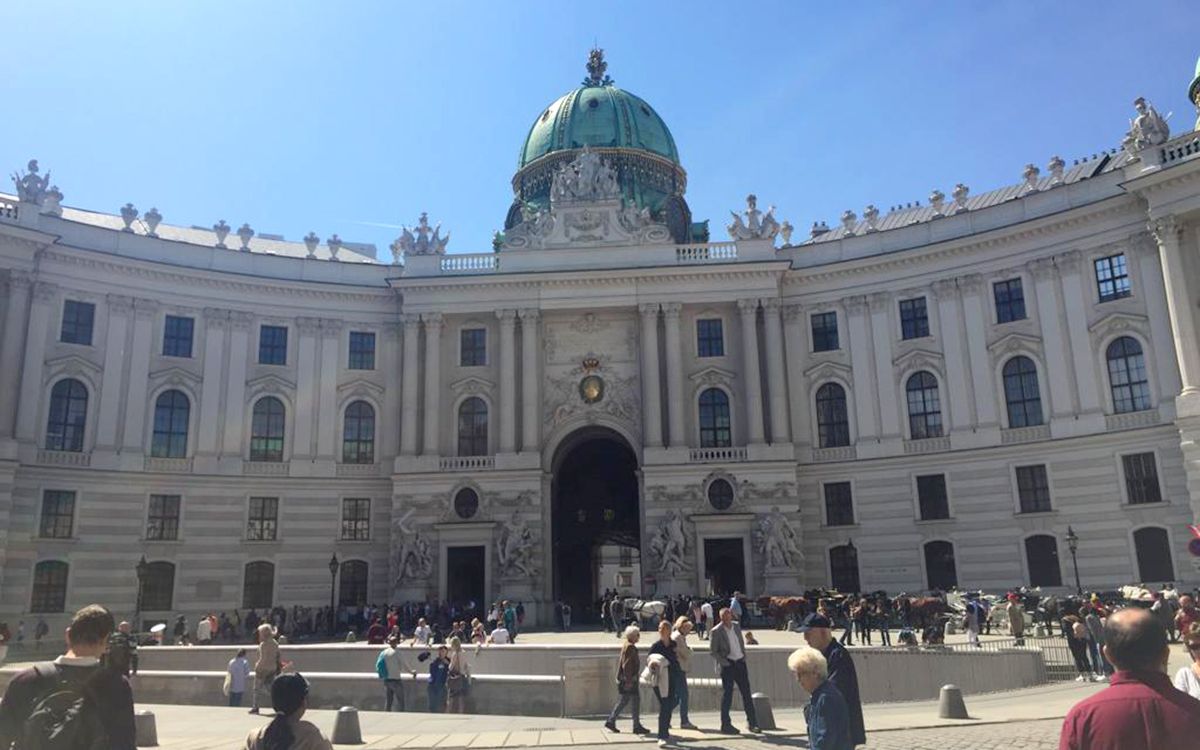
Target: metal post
(1073,545)
(142,568)
(333,571)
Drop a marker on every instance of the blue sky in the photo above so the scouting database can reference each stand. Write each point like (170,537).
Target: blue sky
(341,117)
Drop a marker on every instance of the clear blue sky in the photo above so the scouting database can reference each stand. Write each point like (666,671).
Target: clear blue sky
(339,117)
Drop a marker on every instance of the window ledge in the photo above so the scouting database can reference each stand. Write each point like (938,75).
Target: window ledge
(924,521)
(1035,513)
(339,540)
(60,539)
(257,542)
(1159,504)
(175,541)
(837,527)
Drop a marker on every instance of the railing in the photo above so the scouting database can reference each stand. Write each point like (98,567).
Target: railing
(1131,419)
(1056,654)
(8,210)
(358,470)
(168,465)
(840,453)
(64,458)
(706,253)
(1025,434)
(716,455)
(927,445)
(466,463)
(470,263)
(265,468)
(1179,150)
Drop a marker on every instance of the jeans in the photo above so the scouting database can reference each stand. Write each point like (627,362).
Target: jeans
(885,635)
(437,699)
(665,706)
(864,632)
(679,689)
(235,699)
(395,694)
(735,674)
(627,699)
(262,691)
(1100,664)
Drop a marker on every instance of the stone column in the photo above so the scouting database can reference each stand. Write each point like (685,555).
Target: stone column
(133,440)
(752,376)
(1180,302)
(16,320)
(387,424)
(1058,369)
(776,379)
(1166,366)
(794,318)
(236,432)
(431,445)
(508,380)
(953,354)
(880,305)
(675,402)
(973,300)
(530,381)
(209,408)
(1077,299)
(29,405)
(305,417)
(862,368)
(112,383)
(327,377)
(409,384)
(651,405)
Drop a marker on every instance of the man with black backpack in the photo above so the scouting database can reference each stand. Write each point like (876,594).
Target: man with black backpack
(71,703)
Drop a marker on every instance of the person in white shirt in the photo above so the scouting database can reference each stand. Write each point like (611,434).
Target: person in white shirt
(204,632)
(423,633)
(683,653)
(706,619)
(735,606)
(239,674)
(499,635)
(391,667)
(1187,678)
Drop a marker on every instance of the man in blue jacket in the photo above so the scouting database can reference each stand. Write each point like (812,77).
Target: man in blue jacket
(817,631)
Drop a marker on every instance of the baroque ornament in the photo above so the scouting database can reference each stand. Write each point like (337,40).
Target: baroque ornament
(414,558)
(31,188)
(756,225)
(425,242)
(515,549)
(668,546)
(778,541)
(1147,128)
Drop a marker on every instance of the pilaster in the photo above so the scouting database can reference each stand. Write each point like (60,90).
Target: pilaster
(409,384)
(862,369)
(216,322)
(133,439)
(953,354)
(1058,369)
(307,379)
(508,381)
(327,409)
(794,318)
(1180,301)
(431,445)
(1077,301)
(112,384)
(675,401)
(651,389)
(387,424)
(748,309)
(12,339)
(29,405)
(235,385)
(531,379)
(880,305)
(983,382)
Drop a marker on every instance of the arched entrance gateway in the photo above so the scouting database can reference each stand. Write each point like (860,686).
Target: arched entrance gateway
(595,519)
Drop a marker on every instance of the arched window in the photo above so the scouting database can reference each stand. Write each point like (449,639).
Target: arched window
(258,588)
(833,426)
(940,570)
(843,569)
(715,429)
(924,408)
(68,416)
(1153,555)
(1041,555)
(266,430)
(172,409)
(1021,393)
(358,434)
(49,587)
(352,584)
(158,587)
(1127,375)
(473,427)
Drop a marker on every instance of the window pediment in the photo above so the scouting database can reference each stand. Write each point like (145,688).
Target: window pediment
(713,376)
(472,386)
(1015,342)
(1117,323)
(360,387)
(270,382)
(829,371)
(175,376)
(919,359)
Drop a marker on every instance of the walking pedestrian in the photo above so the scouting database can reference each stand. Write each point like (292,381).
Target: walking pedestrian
(1077,642)
(40,631)
(827,715)
(288,731)
(662,667)
(728,651)
(817,631)
(237,674)
(1095,627)
(122,651)
(861,614)
(735,605)
(458,678)
(267,667)
(391,666)
(683,653)
(706,619)
(880,618)
(628,667)
(439,670)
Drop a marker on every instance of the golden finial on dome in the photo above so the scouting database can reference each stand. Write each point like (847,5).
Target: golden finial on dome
(597,69)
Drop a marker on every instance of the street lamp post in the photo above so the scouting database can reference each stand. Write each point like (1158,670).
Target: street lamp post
(1073,546)
(333,570)
(142,568)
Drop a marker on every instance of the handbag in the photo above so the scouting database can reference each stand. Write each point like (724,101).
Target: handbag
(456,684)
(227,684)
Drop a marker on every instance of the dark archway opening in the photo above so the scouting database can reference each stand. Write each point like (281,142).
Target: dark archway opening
(595,504)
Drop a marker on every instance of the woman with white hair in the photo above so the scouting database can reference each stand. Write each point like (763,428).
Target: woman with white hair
(267,667)
(826,713)
(628,668)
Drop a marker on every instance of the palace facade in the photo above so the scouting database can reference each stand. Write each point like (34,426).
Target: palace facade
(974,392)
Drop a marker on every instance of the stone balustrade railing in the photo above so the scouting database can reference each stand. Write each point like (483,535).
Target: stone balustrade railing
(265,468)
(470,263)
(64,458)
(1132,419)
(168,465)
(706,253)
(927,445)
(840,453)
(358,470)
(466,463)
(716,455)
(1184,147)
(8,210)
(1025,434)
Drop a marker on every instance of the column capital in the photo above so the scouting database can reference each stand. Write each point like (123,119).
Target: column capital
(1042,269)
(648,309)
(215,317)
(529,314)
(794,311)
(392,329)
(747,306)
(240,320)
(507,317)
(144,307)
(44,291)
(771,305)
(1069,261)
(1165,229)
(410,320)
(672,309)
(19,280)
(945,287)
(971,283)
(308,326)
(855,303)
(879,301)
(118,303)
(432,321)
(332,326)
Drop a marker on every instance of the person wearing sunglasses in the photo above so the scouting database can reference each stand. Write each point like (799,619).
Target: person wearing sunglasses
(1187,678)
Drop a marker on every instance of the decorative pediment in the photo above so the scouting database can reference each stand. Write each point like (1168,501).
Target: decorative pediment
(360,387)
(918,359)
(175,376)
(270,382)
(1117,322)
(472,386)
(1014,342)
(827,370)
(713,376)
(73,365)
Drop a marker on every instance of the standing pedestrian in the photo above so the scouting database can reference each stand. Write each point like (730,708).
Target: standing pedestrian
(40,630)
(422,633)
(971,621)
(862,622)
(683,654)
(510,621)
(1095,627)
(1016,618)
(391,666)
(237,674)
(706,619)
(663,667)
(817,631)
(267,667)
(628,667)
(458,678)
(728,651)
(203,631)
(827,715)
(566,616)
(439,670)
(122,651)
(735,605)
(880,617)
(287,731)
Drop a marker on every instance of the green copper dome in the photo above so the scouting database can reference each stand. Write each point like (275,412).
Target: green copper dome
(1194,93)
(598,115)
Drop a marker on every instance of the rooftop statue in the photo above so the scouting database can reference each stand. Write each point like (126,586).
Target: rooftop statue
(426,241)
(757,225)
(597,69)
(30,187)
(587,178)
(1148,128)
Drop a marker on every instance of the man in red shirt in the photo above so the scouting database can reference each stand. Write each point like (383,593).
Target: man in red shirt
(1140,709)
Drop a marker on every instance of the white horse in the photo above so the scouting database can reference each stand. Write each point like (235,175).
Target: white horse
(643,610)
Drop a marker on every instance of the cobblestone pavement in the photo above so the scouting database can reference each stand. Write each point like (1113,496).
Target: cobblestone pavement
(1030,735)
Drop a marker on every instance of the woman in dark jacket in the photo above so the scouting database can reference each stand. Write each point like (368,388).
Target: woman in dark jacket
(827,714)
(628,667)
(665,647)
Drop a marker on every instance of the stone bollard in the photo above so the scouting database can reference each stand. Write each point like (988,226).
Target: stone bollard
(950,703)
(146,734)
(345,727)
(763,712)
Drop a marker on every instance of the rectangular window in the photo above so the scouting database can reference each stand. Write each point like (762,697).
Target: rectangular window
(931,496)
(1010,300)
(710,338)
(272,345)
(824,332)
(162,523)
(263,521)
(78,319)
(914,320)
(362,350)
(177,336)
(1033,489)
(58,515)
(356,519)
(473,347)
(1141,479)
(839,506)
(1112,277)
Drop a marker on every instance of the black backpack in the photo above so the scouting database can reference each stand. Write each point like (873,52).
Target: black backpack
(64,716)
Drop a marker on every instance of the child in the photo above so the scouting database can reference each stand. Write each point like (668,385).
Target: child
(239,672)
